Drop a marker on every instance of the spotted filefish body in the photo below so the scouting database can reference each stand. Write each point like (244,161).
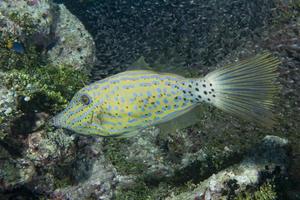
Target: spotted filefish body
(131,101)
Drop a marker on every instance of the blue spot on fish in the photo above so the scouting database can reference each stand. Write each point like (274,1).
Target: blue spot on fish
(155,82)
(127,86)
(131,100)
(105,87)
(145,84)
(114,81)
(132,120)
(177,99)
(147,115)
(95,86)
(152,107)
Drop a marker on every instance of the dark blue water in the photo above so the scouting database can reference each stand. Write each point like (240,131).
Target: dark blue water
(182,30)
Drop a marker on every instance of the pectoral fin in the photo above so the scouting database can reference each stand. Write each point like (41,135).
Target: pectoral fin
(185,120)
(96,118)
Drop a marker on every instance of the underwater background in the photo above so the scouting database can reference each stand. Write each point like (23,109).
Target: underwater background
(51,49)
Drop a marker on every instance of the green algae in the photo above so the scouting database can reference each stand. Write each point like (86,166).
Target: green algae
(265,192)
(16,172)
(9,59)
(62,183)
(142,190)
(43,89)
(31,57)
(25,21)
(119,160)
(57,84)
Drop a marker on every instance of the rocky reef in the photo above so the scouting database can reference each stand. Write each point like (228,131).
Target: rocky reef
(35,83)
(47,54)
(268,159)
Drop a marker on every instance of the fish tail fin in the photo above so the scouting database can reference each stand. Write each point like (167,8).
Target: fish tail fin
(248,88)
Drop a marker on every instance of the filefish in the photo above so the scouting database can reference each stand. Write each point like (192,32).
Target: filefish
(124,104)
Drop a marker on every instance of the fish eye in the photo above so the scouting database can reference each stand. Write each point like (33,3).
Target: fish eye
(85,100)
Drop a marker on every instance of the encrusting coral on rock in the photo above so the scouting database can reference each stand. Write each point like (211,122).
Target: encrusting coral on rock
(268,159)
(29,67)
(75,48)
(33,84)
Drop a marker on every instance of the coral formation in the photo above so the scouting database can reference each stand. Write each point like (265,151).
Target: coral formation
(32,87)
(30,77)
(46,148)
(270,156)
(24,24)
(45,29)
(94,177)
(15,173)
(24,19)
(75,48)
(42,89)
(266,191)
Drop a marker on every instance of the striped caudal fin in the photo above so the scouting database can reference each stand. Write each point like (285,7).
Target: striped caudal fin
(247,89)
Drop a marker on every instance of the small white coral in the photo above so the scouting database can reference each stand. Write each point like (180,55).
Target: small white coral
(27,99)
(8,111)
(7,101)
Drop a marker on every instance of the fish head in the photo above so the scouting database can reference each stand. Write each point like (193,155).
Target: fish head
(79,114)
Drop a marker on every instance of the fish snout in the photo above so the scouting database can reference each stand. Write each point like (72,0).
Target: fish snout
(56,121)
(51,121)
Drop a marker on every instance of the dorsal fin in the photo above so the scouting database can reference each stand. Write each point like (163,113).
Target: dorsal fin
(139,64)
(159,65)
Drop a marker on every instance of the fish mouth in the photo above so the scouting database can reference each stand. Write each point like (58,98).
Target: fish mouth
(57,121)
(53,122)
